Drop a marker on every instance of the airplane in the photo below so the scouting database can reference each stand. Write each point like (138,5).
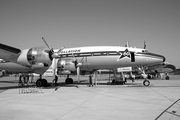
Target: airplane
(161,70)
(78,59)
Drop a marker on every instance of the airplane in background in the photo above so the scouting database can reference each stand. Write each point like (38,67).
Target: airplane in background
(160,70)
(78,59)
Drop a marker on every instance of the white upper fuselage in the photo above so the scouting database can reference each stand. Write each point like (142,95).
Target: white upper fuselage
(109,57)
(98,57)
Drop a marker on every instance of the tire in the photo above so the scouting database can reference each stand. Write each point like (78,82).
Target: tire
(39,83)
(69,81)
(146,83)
(167,77)
(45,83)
(113,82)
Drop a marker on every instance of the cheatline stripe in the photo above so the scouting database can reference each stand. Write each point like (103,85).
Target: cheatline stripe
(107,53)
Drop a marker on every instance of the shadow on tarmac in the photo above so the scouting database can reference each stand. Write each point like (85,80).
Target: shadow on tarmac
(14,81)
(76,84)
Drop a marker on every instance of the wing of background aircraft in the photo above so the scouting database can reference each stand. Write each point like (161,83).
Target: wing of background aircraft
(35,59)
(32,60)
(9,53)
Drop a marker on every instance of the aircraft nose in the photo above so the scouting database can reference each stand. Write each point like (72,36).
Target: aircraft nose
(161,57)
(164,59)
(158,57)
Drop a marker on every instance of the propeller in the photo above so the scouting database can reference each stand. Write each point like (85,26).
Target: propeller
(53,55)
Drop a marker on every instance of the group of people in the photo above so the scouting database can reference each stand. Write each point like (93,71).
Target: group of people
(26,79)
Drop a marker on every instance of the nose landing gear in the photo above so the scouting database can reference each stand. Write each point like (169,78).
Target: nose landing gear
(146,82)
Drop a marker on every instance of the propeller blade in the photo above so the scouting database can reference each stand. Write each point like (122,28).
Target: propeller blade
(78,74)
(46,43)
(60,49)
(56,54)
(54,67)
(54,64)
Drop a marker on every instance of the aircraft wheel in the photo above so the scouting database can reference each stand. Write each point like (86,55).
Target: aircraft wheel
(167,77)
(146,82)
(39,83)
(45,83)
(113,82)
(69,81)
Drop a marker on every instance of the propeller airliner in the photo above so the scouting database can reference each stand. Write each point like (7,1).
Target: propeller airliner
(79,59)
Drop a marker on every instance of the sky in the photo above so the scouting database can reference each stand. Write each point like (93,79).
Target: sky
(75,23)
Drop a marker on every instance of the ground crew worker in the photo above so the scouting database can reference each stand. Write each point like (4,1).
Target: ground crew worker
(55,80)
(90,81)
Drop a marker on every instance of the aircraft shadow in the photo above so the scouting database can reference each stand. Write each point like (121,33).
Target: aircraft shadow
(12,87)
(14,81)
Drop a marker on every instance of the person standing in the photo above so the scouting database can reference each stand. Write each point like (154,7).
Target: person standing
(90,81)
(55,80)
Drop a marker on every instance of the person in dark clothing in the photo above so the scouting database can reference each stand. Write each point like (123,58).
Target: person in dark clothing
(90,81)
(55,80)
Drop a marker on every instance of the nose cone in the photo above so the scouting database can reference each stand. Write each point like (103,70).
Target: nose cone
(156,57)
(164,59)
(161,58)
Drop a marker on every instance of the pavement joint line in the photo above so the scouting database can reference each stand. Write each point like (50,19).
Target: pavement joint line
(160,94)
(167,109)
(80,105)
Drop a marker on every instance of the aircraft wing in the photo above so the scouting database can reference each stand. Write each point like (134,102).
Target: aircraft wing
(9,53)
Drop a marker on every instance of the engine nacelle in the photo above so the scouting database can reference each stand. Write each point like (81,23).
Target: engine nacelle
(34,57)
(66,65)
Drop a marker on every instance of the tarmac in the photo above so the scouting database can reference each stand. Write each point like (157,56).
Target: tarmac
(131,101)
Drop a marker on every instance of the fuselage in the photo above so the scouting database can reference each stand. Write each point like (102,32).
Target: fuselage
(109,57)
(94,58)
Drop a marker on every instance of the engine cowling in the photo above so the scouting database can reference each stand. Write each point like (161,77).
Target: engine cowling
(66,65)
(36,56)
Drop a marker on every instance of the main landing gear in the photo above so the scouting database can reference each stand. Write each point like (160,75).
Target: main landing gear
(69,80)
(41,82)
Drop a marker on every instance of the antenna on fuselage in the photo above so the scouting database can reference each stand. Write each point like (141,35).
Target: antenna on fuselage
(144,44)
(127,44)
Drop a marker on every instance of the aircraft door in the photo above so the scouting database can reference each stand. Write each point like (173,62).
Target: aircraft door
(132,57)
